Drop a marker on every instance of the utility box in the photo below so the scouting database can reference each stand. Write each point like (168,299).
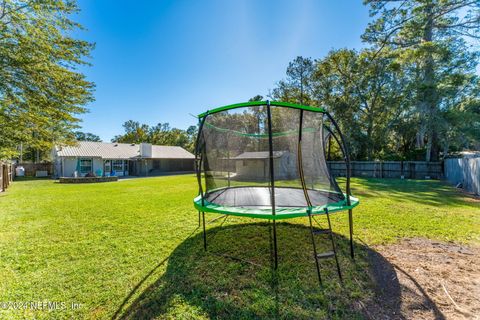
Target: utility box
(20,171)
(41,173)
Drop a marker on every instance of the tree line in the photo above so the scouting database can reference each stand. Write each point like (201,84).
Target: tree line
(160,134)
(411,93)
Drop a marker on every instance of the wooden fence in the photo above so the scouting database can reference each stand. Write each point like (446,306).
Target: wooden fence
(389,169)
(6,175)
(464,171)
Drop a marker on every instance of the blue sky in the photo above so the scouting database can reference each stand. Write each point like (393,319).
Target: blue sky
(159,61)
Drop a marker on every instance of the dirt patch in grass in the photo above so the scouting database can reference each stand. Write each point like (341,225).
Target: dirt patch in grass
(425,279)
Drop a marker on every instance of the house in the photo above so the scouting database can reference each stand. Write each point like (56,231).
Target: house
(255,165)
(119,159)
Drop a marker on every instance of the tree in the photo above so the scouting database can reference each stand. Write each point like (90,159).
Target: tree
(160,134)
(134,133)
(365,94)
(256,98)
(297,87)
(429,37)
(463,130)
(299,73)
(86,136)
(41,92)
(192,133)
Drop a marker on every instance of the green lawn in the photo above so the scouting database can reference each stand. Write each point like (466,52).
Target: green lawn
(132,249)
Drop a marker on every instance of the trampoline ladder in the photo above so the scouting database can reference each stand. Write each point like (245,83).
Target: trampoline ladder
(327,254)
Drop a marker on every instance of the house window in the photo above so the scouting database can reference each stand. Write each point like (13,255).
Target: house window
(117,165)
(85,166)
(107,164)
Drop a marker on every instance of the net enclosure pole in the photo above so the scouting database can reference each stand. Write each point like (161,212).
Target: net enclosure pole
(228,164)
(346,155)
(300,163)
(307,197)
(228,160)
(272,183)
(329,147)
(198,169)
(330,135)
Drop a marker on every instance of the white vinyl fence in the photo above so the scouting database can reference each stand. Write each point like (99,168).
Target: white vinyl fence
(465,171)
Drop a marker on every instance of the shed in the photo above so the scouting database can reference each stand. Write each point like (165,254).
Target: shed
(254,165)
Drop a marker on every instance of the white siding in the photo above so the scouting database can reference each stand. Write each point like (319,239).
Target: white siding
(69,166)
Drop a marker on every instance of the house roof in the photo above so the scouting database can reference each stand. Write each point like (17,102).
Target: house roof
(170,152)
(115,150)
(258,155)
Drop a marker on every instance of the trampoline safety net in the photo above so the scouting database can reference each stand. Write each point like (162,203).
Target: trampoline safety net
(265,157)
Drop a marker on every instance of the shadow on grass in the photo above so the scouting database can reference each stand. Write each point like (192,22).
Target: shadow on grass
(234,279)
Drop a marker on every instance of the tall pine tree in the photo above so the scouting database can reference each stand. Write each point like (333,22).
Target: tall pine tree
(429,37)
(41,91)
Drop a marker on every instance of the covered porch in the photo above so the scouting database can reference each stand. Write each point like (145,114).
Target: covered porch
(94,166)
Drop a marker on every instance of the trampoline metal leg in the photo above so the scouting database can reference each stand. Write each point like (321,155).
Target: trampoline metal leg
(204,232)
(199,223)
(350,223)
(317,265)
(275,244)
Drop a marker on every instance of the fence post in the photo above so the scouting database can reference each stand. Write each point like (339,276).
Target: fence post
(1,177)
(4,176)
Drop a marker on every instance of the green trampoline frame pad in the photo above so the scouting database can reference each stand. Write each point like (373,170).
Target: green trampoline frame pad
(280,212)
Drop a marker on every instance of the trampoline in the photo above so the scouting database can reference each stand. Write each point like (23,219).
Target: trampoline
(268,160)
